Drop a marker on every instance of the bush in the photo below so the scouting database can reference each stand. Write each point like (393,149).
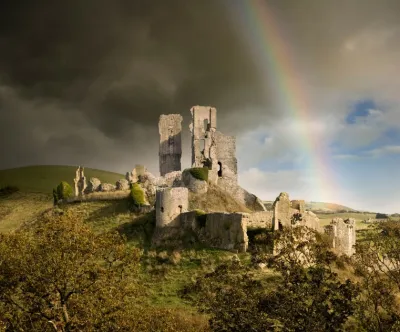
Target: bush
(8,190)
(137,195)
(64,190)
(199,173)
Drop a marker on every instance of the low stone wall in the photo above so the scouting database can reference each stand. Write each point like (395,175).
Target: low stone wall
(99,196)
(262,219)
(226,231)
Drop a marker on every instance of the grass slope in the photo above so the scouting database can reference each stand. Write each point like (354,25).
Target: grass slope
(20,207)
(42,179)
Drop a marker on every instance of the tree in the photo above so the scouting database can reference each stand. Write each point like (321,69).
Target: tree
(58,275)
(308,296)
(377,262)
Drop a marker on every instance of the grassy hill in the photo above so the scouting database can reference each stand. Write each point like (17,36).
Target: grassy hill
(42,179)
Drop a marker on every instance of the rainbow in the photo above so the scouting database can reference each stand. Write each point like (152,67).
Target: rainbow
(273,55)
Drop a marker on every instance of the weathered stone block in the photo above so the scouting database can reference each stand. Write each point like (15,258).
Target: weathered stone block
(282,211)
(226,231)
(107,187)
(93,185)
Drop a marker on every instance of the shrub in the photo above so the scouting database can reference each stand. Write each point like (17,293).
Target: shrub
(8,190)
(64,190)
(199,173)
(137,195)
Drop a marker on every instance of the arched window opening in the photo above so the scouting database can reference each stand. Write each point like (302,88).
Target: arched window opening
(162,209)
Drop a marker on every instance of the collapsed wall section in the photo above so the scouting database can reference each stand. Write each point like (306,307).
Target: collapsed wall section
(227,231)
(261,219)
(170,153)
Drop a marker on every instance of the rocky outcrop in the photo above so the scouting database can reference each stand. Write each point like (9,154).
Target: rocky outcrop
(93,185)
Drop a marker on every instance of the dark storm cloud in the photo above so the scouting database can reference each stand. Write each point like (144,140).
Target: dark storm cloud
(117,65)
(78,50)
(85,81)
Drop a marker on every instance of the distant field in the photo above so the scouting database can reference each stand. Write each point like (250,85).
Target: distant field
(318,207)
(326,218)
(42,179)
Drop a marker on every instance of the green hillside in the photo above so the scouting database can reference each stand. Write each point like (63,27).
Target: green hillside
(43,179)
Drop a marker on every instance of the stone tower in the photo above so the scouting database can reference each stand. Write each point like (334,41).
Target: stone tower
(170,129)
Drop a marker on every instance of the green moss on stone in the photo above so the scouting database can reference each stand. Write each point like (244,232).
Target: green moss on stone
(199,173)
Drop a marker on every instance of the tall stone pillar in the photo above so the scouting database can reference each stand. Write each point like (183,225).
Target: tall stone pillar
(170,129)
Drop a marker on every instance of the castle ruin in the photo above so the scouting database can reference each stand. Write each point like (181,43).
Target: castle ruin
(214,153)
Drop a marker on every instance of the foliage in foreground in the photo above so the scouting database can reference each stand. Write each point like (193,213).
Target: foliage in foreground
(307,297)
(58,275)
(377,263)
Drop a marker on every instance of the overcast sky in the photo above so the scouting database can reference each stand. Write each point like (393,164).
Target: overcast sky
(84,82)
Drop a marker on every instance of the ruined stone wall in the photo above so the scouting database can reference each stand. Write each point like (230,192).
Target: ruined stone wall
(298,205)
(342,235)
(170,129)
(262,219)
(136,173)
(282,211)
(226,157)
(203,127)
(310,220)
(170,203)
(100,196)
(226,231)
